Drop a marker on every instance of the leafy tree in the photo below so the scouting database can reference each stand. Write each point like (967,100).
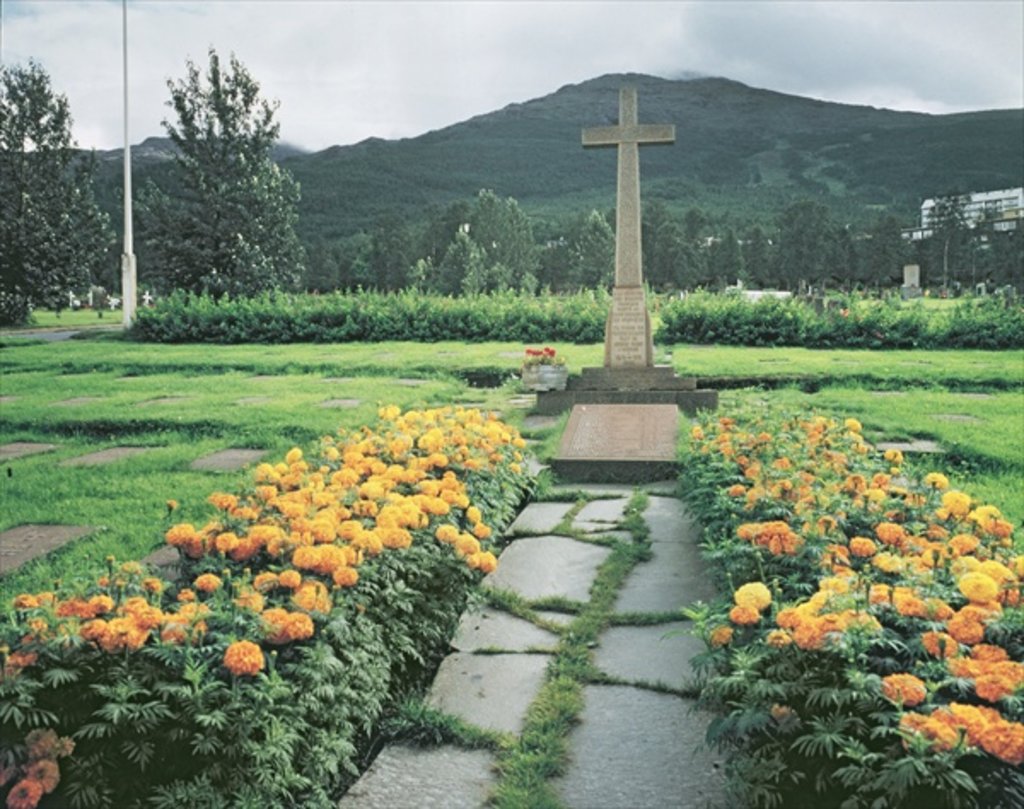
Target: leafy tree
(948,244)
(724,260)
(885,252)
(232,229)
(53,236)
(502,231)
(391,252)
(591,253)
(462,269)
(804,248)
(757,259)
(664,246)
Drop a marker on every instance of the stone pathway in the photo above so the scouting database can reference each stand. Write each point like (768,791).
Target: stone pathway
(639,741)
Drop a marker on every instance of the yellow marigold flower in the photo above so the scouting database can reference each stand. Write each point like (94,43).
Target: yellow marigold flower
(244,658)
(697,433)
(294,456)
(778,638)
(979,588)
(207,583)
(25,601)
(223,501)
(963,544)
(171,505)
(720,636)
(904,689)
(888,562)
(853,425)
(894,456)
(467,545)
(447,533)
(484,561)
(862,547)
(957,504)
(936,480)
(481,531)
(753,594)
(744,615)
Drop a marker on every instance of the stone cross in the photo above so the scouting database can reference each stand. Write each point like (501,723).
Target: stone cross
(628,332)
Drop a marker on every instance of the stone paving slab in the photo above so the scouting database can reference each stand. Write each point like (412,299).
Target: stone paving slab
(227,460)
(539,518)
(608,511)
(669,521)
(253,400)
(341,403)
(104,456)
(339,379)
(674,578)
(649,654)
(921,445)
(78,400)
(6,399)
(19,449)
(404,777)
(548,566)
(535,467)
(489,691)
(600,489)
(494,629)
(164,400)
(540,422)
(642,750)
(166,560)
(24,542)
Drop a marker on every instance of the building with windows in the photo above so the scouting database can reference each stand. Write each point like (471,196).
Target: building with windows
(1001,210)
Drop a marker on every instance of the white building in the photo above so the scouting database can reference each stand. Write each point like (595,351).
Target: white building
(1004,209)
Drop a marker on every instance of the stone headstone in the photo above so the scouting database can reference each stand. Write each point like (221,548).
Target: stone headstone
(619,442)
(911,281)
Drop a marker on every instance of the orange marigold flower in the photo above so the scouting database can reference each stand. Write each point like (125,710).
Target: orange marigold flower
(345,576)
(993,687)
(484,561)
(25,794)
(720,636)
(744,615)
(891,533)
(290,579)
(965,629)
(939,644)
(207,583)
(46,772)
(963,544)
(904,689)
(736,490)
(862,547)
(989,653)
(265,581)
(244,658)
(313,596)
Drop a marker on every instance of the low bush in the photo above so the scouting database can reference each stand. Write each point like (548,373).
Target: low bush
(311,602)
(732,320)
(872,654)
(374,317)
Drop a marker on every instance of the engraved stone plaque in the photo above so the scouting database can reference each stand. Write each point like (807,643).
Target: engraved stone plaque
(621,432)
(628,341)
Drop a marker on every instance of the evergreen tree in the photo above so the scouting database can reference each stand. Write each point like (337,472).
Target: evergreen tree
(502,231)
(591,254)
(885,253)
(757,260)
(725,264)
(233,228)
(804,243)
(53,237)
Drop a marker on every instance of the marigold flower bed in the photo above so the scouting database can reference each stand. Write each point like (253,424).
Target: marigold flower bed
(310,602)
(873,652)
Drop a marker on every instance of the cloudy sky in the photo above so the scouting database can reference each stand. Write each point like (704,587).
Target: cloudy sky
(344,70)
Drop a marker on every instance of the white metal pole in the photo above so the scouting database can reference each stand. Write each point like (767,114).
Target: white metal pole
(128,268)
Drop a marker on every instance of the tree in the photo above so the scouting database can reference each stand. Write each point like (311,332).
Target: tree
(724,260)
(804,243)
(503,233)
(948,244)
(53,237)
(885,253)
(757,260)
(591,253)
(391,252)
(232,229)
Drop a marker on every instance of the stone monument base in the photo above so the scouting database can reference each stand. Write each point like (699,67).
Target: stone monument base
(623,443)
(655,385)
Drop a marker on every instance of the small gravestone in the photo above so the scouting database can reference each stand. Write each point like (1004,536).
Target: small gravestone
(618,442)
(25,542)
(911,282)
(227,460)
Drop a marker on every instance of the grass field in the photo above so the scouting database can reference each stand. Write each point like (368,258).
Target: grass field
(185,401)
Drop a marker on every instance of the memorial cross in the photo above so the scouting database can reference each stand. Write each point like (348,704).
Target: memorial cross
(628,135)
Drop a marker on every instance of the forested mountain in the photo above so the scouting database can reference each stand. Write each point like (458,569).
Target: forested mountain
(741,153)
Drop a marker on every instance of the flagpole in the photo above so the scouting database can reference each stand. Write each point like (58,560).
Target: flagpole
(128,267)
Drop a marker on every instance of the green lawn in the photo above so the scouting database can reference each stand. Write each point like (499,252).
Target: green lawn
(273,397)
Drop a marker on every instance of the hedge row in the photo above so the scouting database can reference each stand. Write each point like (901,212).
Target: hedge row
(733,320)
(871,653)
(311,602)
(373,317)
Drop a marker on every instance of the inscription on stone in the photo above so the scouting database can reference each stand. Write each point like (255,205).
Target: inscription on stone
(621,432)
(628,342)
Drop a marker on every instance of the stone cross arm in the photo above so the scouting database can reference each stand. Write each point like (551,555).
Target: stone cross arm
(629,133)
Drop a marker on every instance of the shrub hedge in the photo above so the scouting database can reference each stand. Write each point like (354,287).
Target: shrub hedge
(732,320)
(311,602)
(871,653)
(374,317)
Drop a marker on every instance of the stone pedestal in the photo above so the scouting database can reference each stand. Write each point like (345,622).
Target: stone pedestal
(657,384)
(627,334)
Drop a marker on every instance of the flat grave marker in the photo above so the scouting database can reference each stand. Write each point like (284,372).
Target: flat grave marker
(23,543)
(20,449)
(227,460)
(104,456)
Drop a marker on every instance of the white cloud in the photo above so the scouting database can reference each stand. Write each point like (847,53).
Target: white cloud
(344,71)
